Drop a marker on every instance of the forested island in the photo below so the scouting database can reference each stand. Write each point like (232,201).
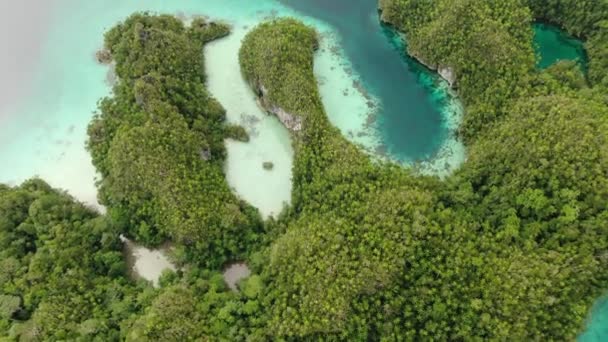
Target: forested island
(512,246)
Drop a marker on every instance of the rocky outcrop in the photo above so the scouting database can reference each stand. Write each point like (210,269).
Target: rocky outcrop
(205,154)
(268,166)
(448,74)
(421,60)
(293,122)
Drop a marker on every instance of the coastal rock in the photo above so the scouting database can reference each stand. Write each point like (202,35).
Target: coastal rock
(448,74)
(445,72)
(421,60)
(111,76)
(293,122)
(268,166)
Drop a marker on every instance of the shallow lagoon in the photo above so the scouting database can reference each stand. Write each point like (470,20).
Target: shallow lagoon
(268,190)
(406,115)
(43,125)
(45,136)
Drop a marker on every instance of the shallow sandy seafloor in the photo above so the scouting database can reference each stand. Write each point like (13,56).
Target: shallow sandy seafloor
(43,126)
(44,134)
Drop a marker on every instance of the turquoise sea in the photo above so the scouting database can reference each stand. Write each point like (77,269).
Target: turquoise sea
(380,99)
(553,45)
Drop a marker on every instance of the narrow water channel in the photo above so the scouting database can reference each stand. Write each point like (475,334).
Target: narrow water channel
(412,114)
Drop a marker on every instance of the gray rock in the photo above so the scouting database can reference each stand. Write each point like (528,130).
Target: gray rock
(446,72)
(293,122)
(268,165)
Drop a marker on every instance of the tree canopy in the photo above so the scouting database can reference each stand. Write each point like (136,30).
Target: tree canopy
(512,246)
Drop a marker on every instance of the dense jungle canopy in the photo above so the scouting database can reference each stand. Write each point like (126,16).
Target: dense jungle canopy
(512,246)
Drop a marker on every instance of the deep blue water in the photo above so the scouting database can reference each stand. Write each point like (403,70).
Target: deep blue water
(409,118)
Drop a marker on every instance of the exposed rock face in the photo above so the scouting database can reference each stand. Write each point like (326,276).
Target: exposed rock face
(234,273)
(111,76)
(103,56)
(421,60)
(205,154)
(448,74)
(293,122)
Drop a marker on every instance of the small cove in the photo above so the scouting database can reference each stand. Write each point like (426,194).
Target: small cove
(553,44)
(146,263)
(44,131)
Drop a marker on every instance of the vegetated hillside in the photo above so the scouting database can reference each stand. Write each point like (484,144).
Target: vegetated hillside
(158,144)
(513,246)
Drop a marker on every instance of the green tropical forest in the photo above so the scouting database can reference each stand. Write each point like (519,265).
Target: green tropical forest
(513,246)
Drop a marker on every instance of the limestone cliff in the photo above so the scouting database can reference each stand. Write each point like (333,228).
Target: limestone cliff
(293,122)
(448,74)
